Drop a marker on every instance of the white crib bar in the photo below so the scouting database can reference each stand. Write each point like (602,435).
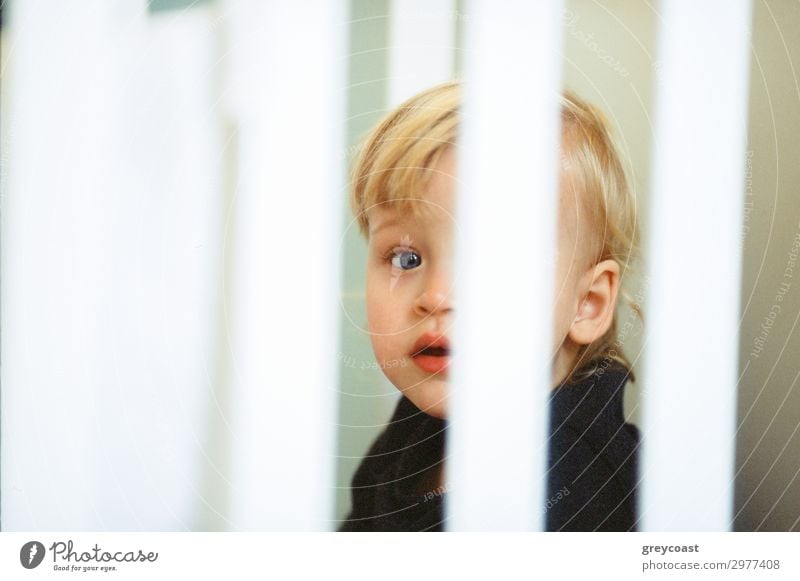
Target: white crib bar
(505,246)
(51,360)
(87,414)
(694,259)
(421,41)
(288,95)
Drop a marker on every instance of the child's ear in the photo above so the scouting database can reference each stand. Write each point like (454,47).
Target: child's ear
(599,287)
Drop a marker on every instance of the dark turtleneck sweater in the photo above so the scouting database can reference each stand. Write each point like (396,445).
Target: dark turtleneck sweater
(592,464)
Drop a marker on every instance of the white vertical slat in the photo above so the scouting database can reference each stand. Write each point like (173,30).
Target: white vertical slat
(421,42)
(108,267)
(505,249)
(179,231)
(288,99)
(694,259)
(54,251)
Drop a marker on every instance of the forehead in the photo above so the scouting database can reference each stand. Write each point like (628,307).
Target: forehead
(435,214)
(433,204)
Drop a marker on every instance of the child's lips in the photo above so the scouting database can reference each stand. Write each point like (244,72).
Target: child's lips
(432,363)
(430,341)
(431,353)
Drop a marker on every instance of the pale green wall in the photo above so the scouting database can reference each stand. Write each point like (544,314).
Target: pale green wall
(367,397)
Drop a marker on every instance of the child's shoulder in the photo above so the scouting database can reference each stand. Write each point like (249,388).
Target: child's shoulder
(589,414)
(593,396)
(592,456)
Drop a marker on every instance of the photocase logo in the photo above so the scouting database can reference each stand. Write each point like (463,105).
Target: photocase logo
(31,554)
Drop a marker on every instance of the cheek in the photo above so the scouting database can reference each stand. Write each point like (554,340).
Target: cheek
(382,316)
(382,348)
(389,318)
(378,306)
(382,331)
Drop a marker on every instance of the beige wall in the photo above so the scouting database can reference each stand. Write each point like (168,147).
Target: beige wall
(768,446)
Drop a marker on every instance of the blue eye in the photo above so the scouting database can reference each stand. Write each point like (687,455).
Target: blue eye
(405,259)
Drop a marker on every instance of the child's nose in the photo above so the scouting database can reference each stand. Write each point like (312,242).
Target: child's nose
(434,300)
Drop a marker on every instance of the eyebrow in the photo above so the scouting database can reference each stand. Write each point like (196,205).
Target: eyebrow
(384,224)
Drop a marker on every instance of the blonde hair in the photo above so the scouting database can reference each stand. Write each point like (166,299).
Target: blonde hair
(394,161)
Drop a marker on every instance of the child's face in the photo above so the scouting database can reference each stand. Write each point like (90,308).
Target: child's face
(409,289)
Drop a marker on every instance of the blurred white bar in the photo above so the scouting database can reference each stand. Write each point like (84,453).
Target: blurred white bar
(55,251)
(506,243)
(288,82)
(180,232)
(694,259)
(421,42)
(109,237)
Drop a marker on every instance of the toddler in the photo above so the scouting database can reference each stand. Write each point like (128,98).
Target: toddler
(403,196)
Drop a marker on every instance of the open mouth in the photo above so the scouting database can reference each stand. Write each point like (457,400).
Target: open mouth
(434,352)
(431,354)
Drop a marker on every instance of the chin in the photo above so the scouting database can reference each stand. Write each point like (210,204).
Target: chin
(430,399)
